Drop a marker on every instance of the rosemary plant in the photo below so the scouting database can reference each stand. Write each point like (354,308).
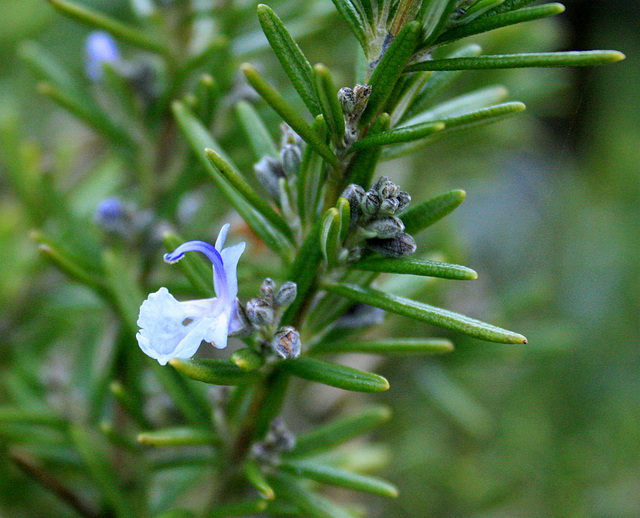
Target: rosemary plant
(319,227)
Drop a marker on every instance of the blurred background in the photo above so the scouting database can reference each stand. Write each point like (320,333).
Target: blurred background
(550,223)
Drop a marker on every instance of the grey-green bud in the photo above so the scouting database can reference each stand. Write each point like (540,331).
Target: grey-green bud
(404,199)
(286,294)
(286,343)
(291,157)
(401,245)
(386,228)
(260,312)
(370,203)
(389,206)
(267,289)
(269,171)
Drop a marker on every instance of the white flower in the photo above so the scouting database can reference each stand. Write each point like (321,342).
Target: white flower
(171,329)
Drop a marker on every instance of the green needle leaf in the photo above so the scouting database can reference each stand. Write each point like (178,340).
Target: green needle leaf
(255,476)
(541,59)
(354,21)
(335,375)
(244,508)
(102,472)
(388,346)
(458,123)
(339,432)
(200,139)
(330,236)
(180,436)
(91,116)
(496,21)
(185,395)
(338,477)
(438,81)
(247,192)
(13,415)
(304,270)
(247,359)
(328,98)
(404,134)
(461,105)
(428,212)
(114,27)
(426,313)
(309,503)
(291,58)
(411,266)
(288,114)
(389,69)
(257,133)
(214,372)
(311,177)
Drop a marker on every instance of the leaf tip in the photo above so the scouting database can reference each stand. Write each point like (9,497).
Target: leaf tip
(616,56)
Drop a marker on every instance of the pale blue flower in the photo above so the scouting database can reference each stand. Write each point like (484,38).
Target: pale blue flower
(171,329)
(100,48)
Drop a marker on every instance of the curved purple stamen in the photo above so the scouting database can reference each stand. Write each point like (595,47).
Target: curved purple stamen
(212,254)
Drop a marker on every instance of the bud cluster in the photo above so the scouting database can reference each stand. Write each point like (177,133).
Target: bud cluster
(263,313)
(278,440)
(374,218)
(353,102)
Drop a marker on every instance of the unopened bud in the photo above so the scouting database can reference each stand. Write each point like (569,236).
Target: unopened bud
(269,171)
(260,312)
(290,137)
(401,245)
(362,93)
(267,289)
(291,157)
(286,294)
(404,199)
(286,343)
(386,228)
(360,315)
(370,203)
(347,100)
(354,101)
(389,206)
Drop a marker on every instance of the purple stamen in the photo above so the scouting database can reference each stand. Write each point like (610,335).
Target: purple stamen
(212,254)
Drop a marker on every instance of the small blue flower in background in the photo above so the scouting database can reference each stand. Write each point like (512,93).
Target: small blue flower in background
(100,48)
(171,329)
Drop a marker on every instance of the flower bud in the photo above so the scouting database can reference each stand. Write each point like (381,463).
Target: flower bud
(290,137)
(386,228)
(401,245)
(347,100)
(269,171)
(267,289)
(286,343)
(286,294)
(360,315)
(389,206)
(260,312)
(370,203)
(291,158)
(404,199)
